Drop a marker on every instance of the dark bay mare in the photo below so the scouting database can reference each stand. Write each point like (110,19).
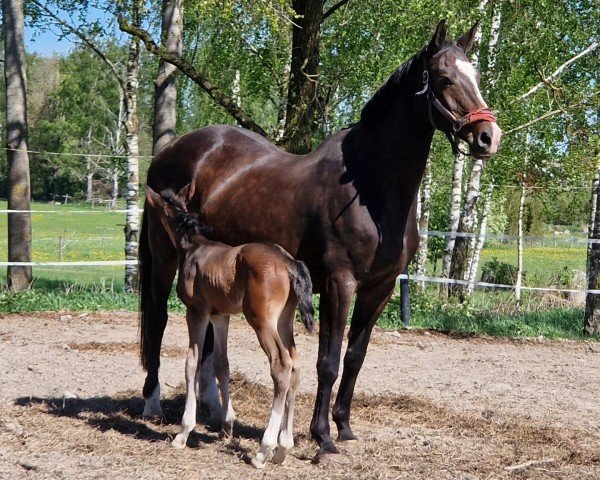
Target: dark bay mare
(346,209)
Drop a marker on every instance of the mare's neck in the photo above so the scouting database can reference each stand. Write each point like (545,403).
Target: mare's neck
(385,153)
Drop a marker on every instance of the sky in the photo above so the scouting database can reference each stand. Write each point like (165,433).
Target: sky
(48,42)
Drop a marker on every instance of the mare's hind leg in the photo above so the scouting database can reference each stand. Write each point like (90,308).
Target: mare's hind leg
(281,369)
(286,435)
(221,365)
(206,389)
(162,266)
(197,322)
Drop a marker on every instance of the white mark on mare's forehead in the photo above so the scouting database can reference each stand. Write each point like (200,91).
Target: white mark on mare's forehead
(468,70)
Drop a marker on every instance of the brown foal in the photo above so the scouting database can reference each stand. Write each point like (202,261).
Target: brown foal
(215,280)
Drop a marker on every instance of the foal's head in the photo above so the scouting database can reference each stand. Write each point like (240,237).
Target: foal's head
(451,86)
(179,223)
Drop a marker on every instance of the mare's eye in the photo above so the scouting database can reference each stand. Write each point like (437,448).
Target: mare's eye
(445,82)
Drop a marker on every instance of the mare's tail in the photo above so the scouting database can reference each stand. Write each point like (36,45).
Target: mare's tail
(302,287)
(145,289)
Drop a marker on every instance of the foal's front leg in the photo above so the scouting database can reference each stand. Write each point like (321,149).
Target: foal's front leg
(197,321)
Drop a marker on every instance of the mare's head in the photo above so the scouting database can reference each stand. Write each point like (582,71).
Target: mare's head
(451,86)
(176,219)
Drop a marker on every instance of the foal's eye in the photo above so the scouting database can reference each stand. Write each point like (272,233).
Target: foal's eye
(446,82)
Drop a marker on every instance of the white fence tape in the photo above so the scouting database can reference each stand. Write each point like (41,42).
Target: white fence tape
(451,281)
(100,263)
(66,212)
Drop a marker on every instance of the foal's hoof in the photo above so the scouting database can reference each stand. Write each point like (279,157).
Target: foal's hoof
(257,463)
(280,455)
(179,442)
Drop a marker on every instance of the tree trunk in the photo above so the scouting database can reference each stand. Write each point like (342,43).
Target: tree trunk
(165,86)
(132,151)
(519,280)
(480,241)
(89,181)
(592,300)
(466,224)
(424,210)
(303,85)
(19,224)
(454,217)
(114,193)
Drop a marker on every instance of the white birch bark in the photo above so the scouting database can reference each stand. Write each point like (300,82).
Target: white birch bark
(132,153)
(19,224)
(519,281)
(454,217)
(424,203)
(480,240)
(592,300)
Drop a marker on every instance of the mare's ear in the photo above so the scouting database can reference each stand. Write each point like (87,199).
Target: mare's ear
(438,39)
(186,193)
(153,198)
(466,41)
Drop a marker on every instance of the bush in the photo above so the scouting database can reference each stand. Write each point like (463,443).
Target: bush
(499,272)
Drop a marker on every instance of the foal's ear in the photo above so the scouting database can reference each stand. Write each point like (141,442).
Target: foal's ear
(186,193)
(153,198)
(438,39)
(466,41)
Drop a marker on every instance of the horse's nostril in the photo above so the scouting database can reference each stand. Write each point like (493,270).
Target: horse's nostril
(485,139)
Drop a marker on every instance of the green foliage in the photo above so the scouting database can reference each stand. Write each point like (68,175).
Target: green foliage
(498,272)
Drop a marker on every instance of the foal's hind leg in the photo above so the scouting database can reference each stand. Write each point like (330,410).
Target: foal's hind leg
(197,322)
(281,369)
(286,435)
(221,365)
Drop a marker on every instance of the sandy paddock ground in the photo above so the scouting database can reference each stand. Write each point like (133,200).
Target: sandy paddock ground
(428,406)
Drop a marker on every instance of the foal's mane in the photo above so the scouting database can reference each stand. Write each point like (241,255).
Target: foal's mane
(187,223)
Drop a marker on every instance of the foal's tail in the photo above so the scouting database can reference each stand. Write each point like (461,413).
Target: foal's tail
(302,287)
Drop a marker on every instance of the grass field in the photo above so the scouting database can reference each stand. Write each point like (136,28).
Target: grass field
(97,234)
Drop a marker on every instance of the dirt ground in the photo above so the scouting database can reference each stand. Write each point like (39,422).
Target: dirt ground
(428,406)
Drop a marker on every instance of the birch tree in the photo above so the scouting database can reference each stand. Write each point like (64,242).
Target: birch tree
(19,224)
(592,300)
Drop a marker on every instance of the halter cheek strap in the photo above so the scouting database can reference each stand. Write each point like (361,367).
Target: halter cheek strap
(474,116)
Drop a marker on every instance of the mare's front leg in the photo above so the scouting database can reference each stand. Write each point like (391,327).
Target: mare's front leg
(369,305)
(333,310)
(221,365)
(197,321)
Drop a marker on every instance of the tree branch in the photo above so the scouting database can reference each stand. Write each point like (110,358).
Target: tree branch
(557,72)
(333,9)
(226,101)
(548,115)
(86,40)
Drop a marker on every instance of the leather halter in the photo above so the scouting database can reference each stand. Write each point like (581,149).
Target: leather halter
(474,116)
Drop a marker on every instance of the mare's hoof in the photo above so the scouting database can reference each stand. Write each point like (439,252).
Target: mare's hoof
(152,410)
(327,448)
(346,435)
(178,442)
